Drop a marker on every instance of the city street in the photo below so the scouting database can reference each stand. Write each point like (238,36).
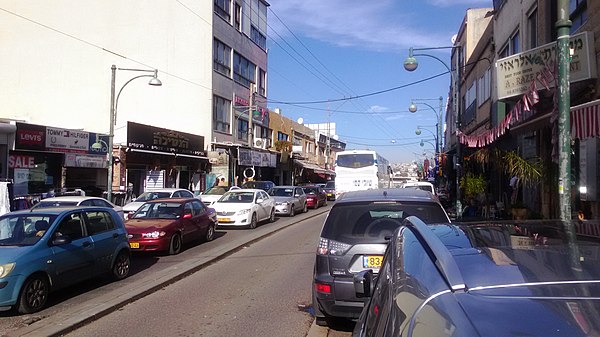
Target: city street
(263,289)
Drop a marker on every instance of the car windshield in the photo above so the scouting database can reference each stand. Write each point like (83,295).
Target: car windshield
(238,197)
(219,190)
(311,190)
(147,196)
(281,192)
(330,184)
(366,222)
(49,203)
(158,210)
(24,229)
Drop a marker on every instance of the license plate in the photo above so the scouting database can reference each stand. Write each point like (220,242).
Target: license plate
(372,261)
(134,245)
(224,220)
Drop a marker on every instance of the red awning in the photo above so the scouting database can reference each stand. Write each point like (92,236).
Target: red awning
(585,120)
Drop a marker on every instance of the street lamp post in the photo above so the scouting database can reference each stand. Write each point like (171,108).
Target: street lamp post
(411,64)
(438,138)
(154,81)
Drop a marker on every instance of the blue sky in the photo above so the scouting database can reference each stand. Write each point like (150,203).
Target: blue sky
(331,50)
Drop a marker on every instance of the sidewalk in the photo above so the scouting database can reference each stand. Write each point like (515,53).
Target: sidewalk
(79,315)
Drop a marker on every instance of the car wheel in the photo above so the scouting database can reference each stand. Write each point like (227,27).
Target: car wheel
(253,221)
(120,269)
(210,233)
(292,210)
(175,246)
(34,294)
(272,217)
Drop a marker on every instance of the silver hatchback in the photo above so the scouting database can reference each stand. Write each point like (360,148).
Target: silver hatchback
(289,200)
(354,238)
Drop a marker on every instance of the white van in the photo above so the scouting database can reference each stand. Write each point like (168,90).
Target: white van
(422,185)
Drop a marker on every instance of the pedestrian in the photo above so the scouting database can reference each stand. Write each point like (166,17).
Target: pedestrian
(222,182)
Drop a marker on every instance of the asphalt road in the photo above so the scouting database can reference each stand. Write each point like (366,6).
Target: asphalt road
(240,282)
(255,292)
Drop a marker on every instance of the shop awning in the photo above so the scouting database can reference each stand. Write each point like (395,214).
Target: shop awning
(585,120)
(315,168)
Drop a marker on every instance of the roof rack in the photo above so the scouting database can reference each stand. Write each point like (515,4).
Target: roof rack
(443,259)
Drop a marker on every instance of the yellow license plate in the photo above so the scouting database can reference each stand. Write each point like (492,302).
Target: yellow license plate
(329,194)
(134,245)
(224,220)
(372,261)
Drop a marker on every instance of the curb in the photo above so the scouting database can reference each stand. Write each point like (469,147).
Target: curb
(80,315)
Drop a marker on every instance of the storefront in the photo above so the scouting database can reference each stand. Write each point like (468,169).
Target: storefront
(158,158)
(49,160)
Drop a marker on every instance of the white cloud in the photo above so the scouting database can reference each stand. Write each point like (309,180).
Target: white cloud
(375,25)
(377,108)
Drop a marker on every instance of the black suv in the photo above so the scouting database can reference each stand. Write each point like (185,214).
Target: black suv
(355,236)
(510,278)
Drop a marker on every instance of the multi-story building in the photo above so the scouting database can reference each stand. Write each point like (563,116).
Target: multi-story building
(523,111)
(56,63)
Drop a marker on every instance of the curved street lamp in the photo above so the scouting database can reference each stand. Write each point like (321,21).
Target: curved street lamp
(410,64)
(154,81)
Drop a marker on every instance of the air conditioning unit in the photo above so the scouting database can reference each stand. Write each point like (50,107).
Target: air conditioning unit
(261,143)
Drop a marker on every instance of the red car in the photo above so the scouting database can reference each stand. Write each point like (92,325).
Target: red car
(166,224)
(315,196)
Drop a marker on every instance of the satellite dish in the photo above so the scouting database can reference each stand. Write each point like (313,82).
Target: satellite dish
(453,39)
(300,120)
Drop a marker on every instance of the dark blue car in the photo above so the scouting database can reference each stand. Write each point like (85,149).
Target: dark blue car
(513,278)
(51,248)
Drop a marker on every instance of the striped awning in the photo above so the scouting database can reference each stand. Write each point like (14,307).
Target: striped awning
(585,120)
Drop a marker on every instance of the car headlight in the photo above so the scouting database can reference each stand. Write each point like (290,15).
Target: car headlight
(153,235)
(6,269)
(244,211)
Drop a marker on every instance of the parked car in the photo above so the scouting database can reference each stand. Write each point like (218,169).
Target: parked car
(354,237)
(162,193)
(167,224)
(330,190)
(511,278)
(315,196)
(289,200)
(244,208)
(264,185)
(214,193)
(45,249)
(76,200)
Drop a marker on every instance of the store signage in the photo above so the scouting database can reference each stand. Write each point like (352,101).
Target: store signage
(516,73)
(146,137)
(21,161)
(66,140)
(84,160)
(255,158)
(53,139)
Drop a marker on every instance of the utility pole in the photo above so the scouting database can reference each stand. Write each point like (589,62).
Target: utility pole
(455,95)
(251,115)
(563,26)
(328,142)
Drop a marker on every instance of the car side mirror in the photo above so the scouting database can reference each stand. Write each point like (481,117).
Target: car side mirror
(61,240)
(363,283)
(259,200)
(187,216)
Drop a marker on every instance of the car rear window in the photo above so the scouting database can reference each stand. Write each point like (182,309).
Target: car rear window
(365,222)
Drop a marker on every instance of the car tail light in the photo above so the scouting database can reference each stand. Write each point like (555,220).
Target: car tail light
(331,247)
(323,288)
